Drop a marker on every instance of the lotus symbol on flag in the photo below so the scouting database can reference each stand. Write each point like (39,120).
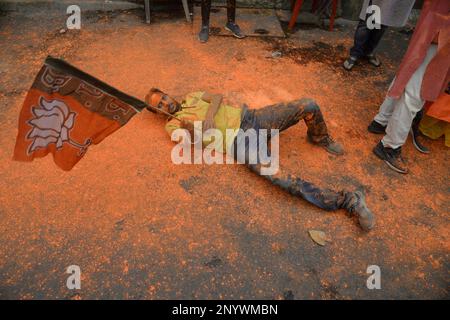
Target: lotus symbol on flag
(51,124)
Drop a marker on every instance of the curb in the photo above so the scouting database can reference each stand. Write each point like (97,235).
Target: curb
(28,6)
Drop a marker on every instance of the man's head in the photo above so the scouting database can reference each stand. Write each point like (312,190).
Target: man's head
(159,100)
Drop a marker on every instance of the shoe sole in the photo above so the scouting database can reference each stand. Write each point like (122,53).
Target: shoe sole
(380,156)
(234,34)
(417,146)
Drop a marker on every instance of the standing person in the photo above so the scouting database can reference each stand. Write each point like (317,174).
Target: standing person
(230,26)
(423,76)
(394,13)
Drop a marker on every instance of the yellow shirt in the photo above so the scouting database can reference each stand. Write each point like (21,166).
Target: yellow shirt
(195,109)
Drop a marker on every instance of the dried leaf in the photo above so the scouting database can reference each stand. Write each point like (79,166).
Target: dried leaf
(318,237)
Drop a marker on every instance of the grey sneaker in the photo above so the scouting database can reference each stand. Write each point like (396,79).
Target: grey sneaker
(330,146)
(203,35)
(373,60)
(349,63)
(235,30)
(358,207)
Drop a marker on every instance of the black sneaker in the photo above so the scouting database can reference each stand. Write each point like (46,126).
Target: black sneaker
(235,30)
(415,133)
(203,35)
(375,127)
(392,157)
(349,63)
(416,142)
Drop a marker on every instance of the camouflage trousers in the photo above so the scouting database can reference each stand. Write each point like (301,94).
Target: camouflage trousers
(281,116)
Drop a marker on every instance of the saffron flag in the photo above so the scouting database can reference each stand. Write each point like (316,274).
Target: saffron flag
(66,111)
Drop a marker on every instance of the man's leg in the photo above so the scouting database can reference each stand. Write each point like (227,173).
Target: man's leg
(231,11)
(374,40)
(330,200)
(231,17)
(204,31)
(385,113)
(206,11)
(404,111)
(281,116)
(375,36)
(407,106)
(360,41)
(362,36)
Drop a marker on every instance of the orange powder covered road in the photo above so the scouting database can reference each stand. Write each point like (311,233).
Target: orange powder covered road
(141,227)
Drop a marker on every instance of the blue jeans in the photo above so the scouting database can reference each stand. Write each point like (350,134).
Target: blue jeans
(366,40)
(282,116)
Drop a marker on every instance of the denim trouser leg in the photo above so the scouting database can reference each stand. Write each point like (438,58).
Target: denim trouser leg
(282,116)
(366,40)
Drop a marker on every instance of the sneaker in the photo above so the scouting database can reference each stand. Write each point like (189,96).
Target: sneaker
(417,144)
(373,60)
(392,157)
(349,63)
(359,208)
(203,35)
(415,133)
(235,30)
(375,127)
(329,145)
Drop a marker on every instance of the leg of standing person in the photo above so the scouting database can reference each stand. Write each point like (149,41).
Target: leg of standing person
(362,36)
(403,113)
(206,11)
(374,39)
(231,20)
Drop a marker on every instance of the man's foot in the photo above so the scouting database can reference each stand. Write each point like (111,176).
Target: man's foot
(349,63)
(329,145)
(417,144)
(373,60)
(359,208)
(203,35)
(375,127)
(392,157)
(235,30)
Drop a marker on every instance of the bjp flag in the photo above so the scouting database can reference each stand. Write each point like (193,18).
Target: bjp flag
(66,111)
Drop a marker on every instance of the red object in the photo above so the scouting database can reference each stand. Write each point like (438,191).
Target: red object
(440,109)
(66,111)
(434,22)
(298,5)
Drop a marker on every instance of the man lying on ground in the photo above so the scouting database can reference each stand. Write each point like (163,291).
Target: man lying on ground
(213,113)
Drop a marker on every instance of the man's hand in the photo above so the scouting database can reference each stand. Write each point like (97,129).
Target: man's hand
(215,100)
(189,126)
(208,123)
